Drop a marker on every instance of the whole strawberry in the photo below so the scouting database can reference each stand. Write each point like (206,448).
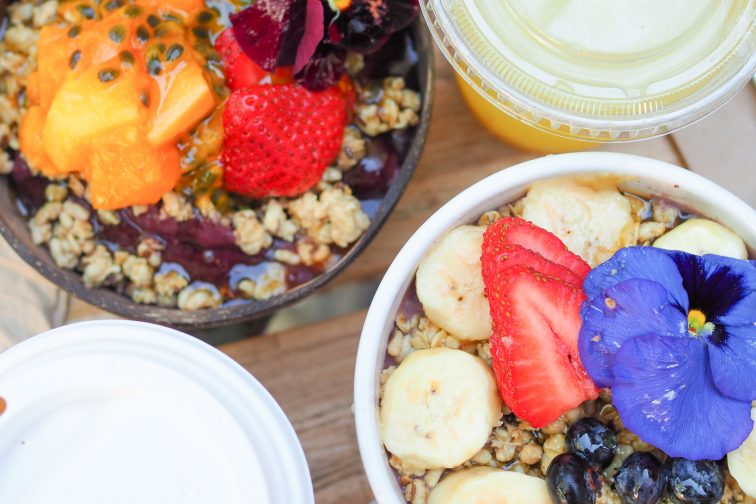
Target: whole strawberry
(279,139)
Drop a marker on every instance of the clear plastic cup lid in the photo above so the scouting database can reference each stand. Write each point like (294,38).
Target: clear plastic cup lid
(608,70)
(125,412)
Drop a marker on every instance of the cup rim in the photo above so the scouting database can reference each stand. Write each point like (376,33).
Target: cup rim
(477,198)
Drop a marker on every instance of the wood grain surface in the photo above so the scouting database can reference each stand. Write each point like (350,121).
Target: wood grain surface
(309,370)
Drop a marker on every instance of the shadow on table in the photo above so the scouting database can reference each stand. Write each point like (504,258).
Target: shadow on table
(321,306)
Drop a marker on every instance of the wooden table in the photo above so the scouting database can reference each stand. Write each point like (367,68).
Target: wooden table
(309,369)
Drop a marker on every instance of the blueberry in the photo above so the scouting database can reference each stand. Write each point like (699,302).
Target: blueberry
(593,441)
(570,480)
(640,479)
(694,481)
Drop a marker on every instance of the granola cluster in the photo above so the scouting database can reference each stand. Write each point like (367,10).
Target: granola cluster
(392,106)
(514,444)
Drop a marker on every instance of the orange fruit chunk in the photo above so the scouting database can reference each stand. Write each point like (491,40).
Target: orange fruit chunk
(86,107)
(185,99)
(185,7)
(54,52)
(126,170)
(30,136)
(32,88)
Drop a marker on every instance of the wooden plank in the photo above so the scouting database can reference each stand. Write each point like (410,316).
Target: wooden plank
(721,146)
(309,371)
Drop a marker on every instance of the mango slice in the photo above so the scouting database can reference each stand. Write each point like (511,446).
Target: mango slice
(186,99)
(183,6)
(86,107)
(54,59)
(126,170)
(30,133)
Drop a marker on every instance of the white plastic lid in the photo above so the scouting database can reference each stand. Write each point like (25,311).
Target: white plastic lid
(126,412)
(608,70)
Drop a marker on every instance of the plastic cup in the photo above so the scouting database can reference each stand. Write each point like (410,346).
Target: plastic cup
(125,412)
(596,70)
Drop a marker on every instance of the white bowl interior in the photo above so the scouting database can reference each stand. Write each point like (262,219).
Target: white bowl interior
(638,175)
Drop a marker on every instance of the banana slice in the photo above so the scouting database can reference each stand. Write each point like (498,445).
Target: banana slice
(593,223)
(439,408)
(487,485)
(449,285)
(742,462)
(702,236)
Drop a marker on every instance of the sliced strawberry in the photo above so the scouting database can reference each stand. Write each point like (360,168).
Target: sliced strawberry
(536,320)
(228,48)
(517,231)
(506,256)
(241,72)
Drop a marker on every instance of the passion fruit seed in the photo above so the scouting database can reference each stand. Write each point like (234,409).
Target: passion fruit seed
(153,66)
(174,52)
(126,57)
(153,20)
(117,33)
(205,17)
(74,31)
(114,4)
(86,11)
(144,97)
(107,75)
(74,59)
(143,34)
(132,11)
(200,33)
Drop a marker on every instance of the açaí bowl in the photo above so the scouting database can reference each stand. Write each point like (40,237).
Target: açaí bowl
(14,228)
(637,174)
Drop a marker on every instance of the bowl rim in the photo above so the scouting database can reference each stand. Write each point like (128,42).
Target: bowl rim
(122,305)
(473,201)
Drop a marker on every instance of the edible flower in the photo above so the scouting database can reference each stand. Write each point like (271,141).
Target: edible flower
(313,36)
(674,336)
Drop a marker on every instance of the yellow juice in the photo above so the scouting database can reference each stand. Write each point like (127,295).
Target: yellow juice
(598,70)
(514,131)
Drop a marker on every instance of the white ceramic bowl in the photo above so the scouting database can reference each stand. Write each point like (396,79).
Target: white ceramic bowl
(641,175)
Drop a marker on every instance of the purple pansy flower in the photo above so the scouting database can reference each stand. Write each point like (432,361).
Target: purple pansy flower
(674,337)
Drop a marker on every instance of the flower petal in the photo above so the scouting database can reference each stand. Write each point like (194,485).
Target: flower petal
(647,263)
(724,289)
(733,363)
(664,393)
(625,310)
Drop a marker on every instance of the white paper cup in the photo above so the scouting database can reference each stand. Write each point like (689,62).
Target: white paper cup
(127,412)
(640,175)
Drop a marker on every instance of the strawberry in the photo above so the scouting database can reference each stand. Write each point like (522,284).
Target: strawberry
(506,256)
(240,71)
(280,139)
(517,231)
(536,320)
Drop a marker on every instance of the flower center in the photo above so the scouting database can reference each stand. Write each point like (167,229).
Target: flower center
(697,325)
